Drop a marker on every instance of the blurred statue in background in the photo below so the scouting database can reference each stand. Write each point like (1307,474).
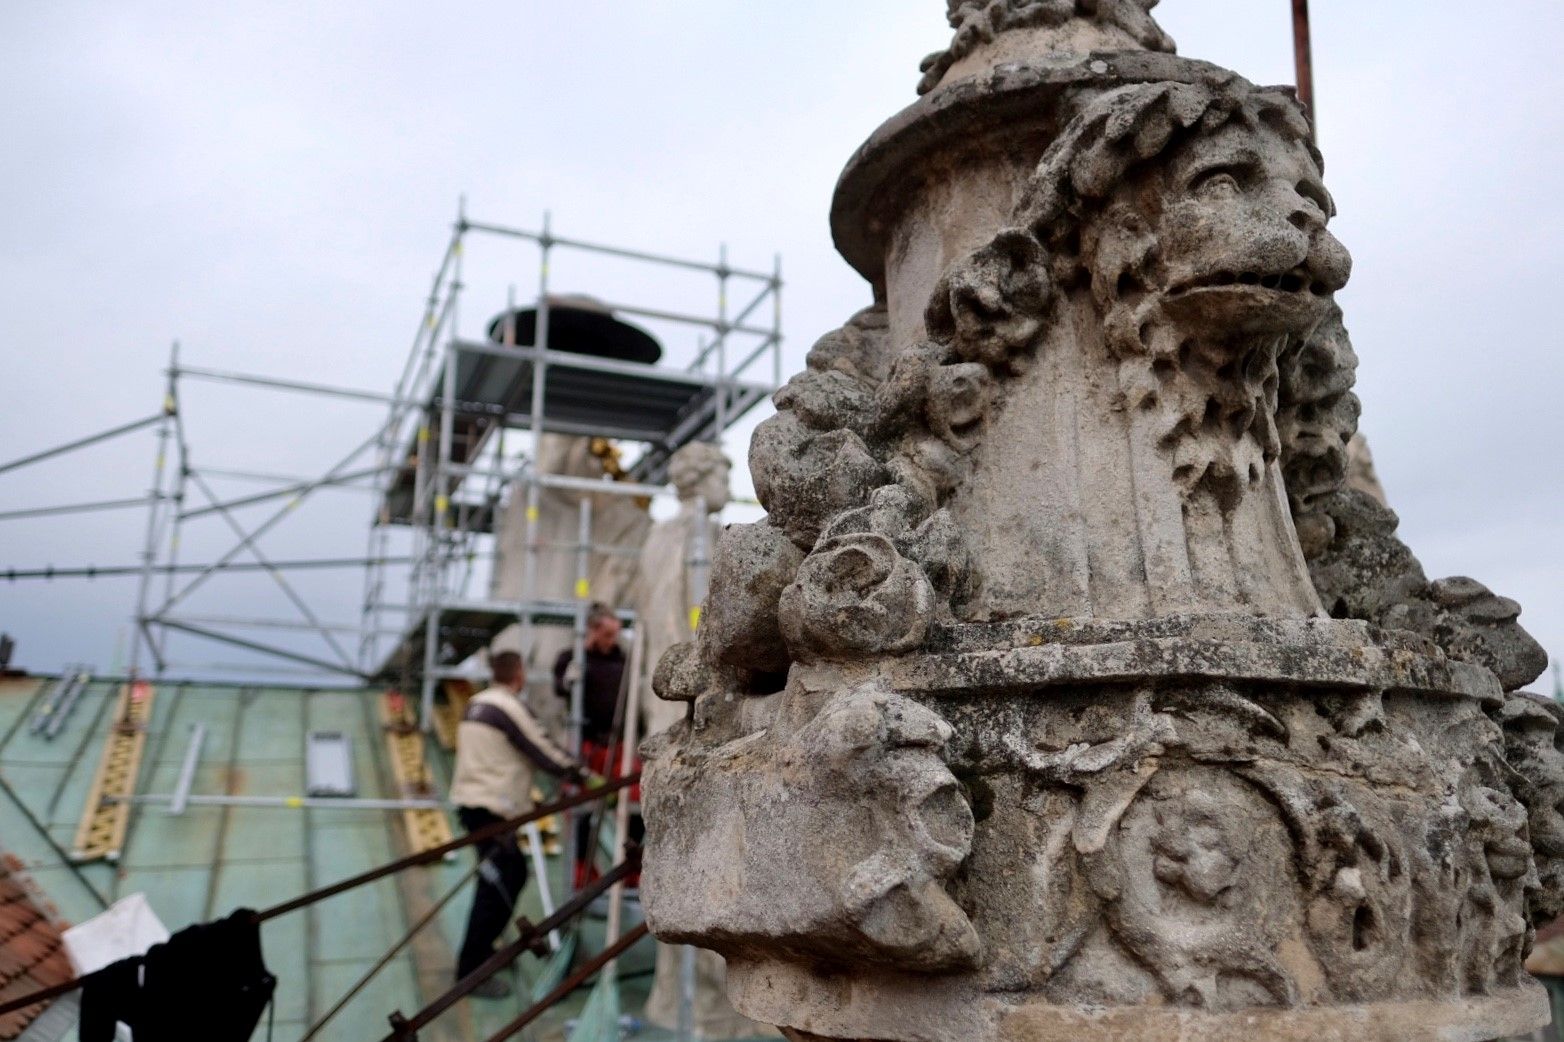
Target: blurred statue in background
(619,525)
(675,560)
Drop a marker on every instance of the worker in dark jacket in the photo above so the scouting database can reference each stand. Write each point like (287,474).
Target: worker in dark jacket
(605,668)
(603,691)
(499,744)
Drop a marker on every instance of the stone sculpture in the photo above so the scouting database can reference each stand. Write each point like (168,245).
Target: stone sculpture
(674,569)
(1067,690)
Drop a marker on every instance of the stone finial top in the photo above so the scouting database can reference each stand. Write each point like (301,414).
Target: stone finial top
(1070,26)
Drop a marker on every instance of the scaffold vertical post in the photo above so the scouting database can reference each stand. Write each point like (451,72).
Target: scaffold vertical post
(531,528)
(776,322)
(142,632)
(439,539)
(722,342)
(181,480)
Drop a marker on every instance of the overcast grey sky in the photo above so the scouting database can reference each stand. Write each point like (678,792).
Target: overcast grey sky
(271,183)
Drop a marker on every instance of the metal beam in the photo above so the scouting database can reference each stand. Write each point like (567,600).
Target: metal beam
(303,387)
(248,539)
(82,443)
(266,526)
(250,645)
(75,508)
(546,237)
(1303,56)
(121,571)
(276,493)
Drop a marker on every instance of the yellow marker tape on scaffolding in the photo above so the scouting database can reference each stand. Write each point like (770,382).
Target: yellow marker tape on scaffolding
(583,589)
(532,513)
(423,434)
(695,617)
(106,816)
(295,801)
(441,504)
(427,827)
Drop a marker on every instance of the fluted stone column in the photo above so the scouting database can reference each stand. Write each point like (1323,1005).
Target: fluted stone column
(1068,691)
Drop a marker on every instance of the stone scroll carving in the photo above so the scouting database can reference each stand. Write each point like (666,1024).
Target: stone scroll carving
(1066,690)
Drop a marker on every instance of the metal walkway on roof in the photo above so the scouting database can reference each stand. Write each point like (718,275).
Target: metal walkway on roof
(663,408)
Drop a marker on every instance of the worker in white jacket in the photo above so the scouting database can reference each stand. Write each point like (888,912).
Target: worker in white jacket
(499,744)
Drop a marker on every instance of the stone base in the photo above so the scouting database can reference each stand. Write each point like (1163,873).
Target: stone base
(1479,1019)
(1474,1019)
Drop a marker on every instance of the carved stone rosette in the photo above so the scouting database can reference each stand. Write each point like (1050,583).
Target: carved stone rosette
(1066,692)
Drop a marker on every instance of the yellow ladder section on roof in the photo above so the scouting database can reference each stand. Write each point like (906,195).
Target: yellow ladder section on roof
(448,712)
(106,816)
(427,828)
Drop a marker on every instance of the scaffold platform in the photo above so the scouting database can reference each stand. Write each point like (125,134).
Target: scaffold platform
(663,408)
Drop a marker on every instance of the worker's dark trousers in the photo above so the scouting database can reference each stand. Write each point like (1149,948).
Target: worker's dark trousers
(502,872)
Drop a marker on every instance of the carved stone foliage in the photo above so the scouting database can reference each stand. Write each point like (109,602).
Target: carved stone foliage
(1363,571)
(839,835)
(1199,296)
(978,22)
(1359,567)
(1065,684)
(1188,853)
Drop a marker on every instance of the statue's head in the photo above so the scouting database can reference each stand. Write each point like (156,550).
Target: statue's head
(701,470)
(1187,209)
(1205,203)
(1192,217)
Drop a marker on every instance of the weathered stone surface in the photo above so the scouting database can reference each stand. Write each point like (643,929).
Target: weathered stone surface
(1111,710)
(753,565)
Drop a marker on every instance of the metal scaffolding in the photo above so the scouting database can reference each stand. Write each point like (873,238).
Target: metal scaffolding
(439,469)
(448,490)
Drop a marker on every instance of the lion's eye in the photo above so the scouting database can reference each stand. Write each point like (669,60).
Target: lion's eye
(1217,184)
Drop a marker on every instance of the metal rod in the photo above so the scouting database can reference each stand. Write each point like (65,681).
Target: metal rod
(139,632)
(280,384)
(276,493)
(423,857)
(748,309)
(722,341)
(572,982)
(187,770)
(73,508)
(540,360)
(510,952)
(266,526)
(684,319)
(265,649)
(1303,54)
(122,571)
(613,251)
(277,576)
(776,321)
(82,443)
(270,624)
(280,802)
(586,363)
(391,953)
(65,705)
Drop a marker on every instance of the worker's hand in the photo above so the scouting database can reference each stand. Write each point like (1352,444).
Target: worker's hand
(571,675)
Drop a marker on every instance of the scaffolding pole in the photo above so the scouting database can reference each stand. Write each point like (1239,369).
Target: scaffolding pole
(140,632)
